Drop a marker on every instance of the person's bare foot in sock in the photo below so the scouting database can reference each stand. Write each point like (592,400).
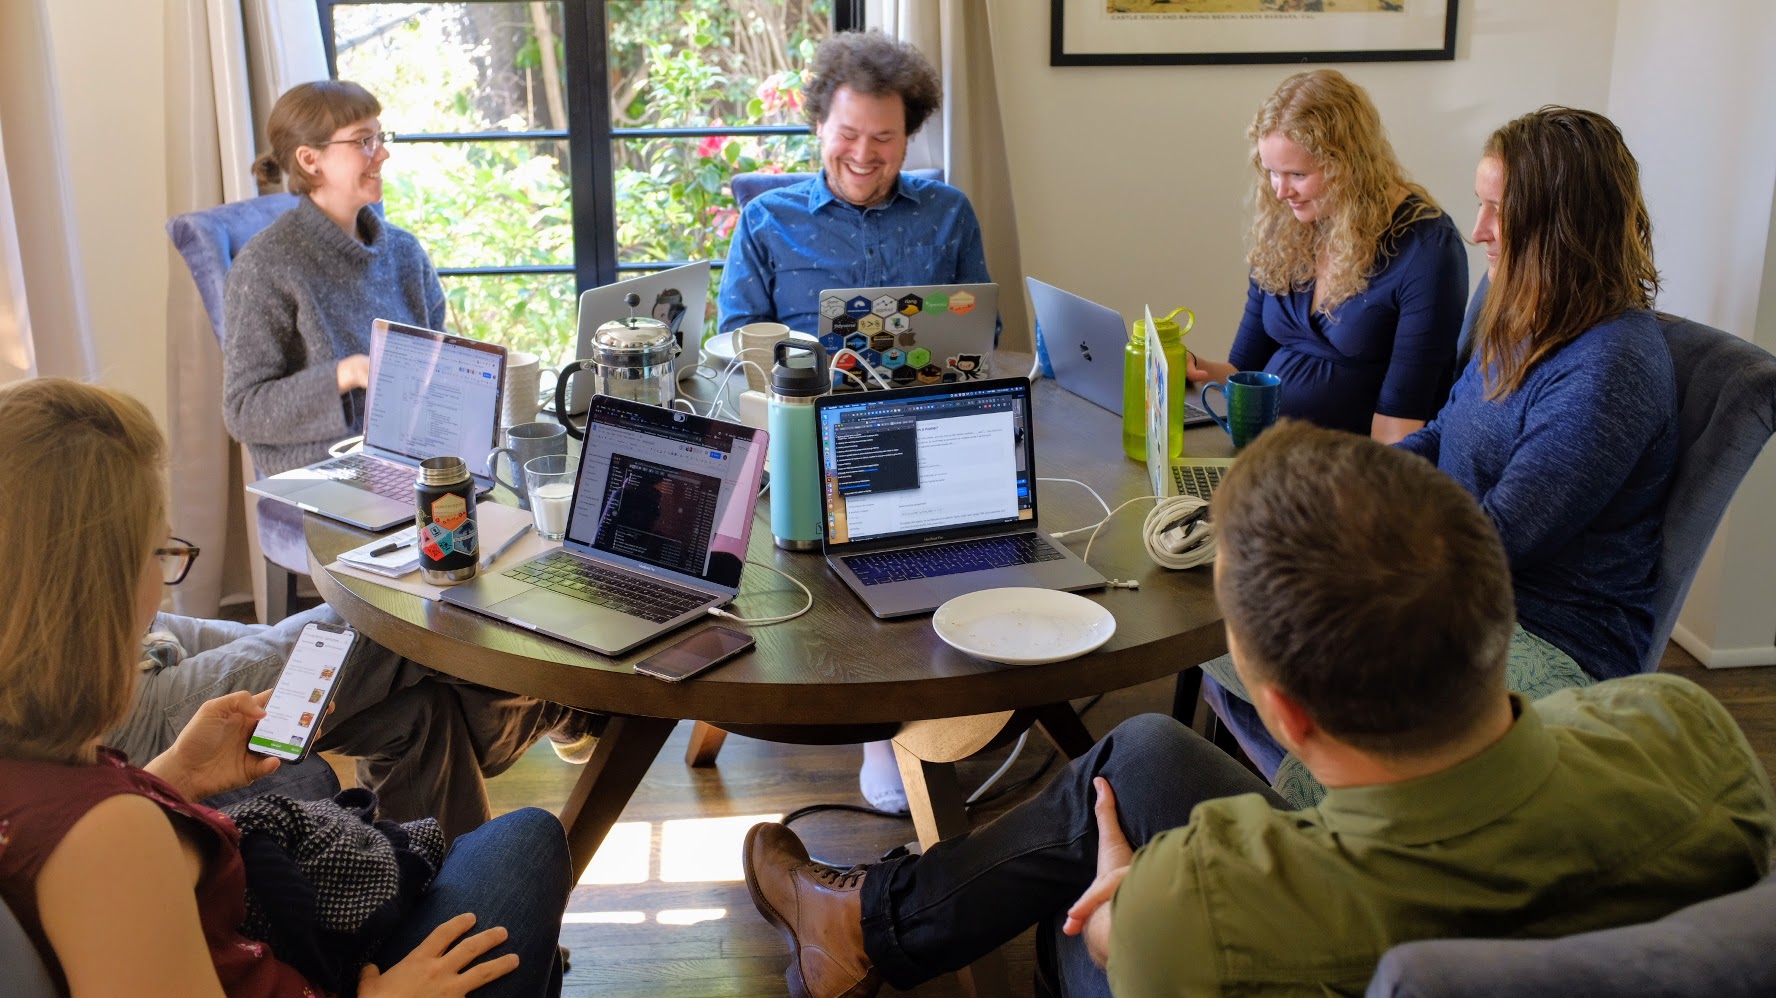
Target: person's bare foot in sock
(818,909)
(879,779)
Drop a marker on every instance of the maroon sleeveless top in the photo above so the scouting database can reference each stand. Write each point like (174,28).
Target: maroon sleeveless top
(41,801)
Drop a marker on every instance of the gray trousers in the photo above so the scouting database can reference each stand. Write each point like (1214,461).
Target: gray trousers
(424,741)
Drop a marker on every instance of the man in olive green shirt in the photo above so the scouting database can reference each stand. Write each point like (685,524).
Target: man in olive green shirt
(1369,612)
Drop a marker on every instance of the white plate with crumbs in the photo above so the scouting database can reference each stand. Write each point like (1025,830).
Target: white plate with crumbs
(1023,626)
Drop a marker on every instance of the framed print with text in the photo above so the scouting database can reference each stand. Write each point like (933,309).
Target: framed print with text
(1182,32)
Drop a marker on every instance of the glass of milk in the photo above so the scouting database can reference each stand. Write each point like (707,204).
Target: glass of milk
(550,482)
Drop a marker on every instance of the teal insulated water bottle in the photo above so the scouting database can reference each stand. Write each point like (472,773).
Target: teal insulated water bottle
(798,377)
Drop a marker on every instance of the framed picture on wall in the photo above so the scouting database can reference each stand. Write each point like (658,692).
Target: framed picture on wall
(1182,32)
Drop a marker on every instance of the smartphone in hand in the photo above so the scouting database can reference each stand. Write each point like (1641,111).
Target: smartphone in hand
(297,704)
(705,649)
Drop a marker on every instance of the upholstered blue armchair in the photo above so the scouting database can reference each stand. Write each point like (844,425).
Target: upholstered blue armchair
(209,240)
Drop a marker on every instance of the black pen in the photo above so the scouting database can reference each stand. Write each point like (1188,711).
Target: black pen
(390,548)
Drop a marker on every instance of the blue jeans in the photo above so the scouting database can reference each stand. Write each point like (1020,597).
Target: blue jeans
(969,895)
(512,871)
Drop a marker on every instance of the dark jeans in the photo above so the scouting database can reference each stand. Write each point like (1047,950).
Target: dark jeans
(969,895)
(512,871)
(1248,728)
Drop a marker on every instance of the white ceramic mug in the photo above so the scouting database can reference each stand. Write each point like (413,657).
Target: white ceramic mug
(522,388)
(753,342)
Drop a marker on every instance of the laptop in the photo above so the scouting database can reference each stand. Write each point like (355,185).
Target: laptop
(656,534)
(430,395)
(1169,476)
(926,334)
(678,297)
(930,493)
(1085,343)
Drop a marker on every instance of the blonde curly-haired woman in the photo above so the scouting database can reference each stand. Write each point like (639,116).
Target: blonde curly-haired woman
(1358,278)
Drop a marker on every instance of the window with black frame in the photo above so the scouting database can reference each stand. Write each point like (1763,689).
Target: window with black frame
(542,148)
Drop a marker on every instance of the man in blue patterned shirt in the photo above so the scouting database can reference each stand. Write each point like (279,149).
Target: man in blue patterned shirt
(860,223)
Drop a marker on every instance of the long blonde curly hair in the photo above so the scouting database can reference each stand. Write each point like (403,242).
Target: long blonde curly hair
(1333,119)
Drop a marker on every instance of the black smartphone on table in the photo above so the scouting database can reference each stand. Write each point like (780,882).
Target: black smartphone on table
(703,650)
(299,702)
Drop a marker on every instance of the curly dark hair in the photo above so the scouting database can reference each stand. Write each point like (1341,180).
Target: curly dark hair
(873,64)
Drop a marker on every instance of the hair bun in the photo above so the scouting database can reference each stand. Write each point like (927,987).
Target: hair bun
(267,171)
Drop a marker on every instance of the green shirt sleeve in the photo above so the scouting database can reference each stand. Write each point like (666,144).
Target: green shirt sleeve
(1160,943)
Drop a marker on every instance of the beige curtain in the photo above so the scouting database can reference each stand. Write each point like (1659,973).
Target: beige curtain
(53,335)
(227,60)
(970,143)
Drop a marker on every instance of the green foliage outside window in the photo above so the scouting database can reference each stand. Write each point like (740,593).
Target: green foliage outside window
(486,67)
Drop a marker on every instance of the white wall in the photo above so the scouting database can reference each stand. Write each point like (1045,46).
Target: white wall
(107,64)
(1132,183)
(1708,168)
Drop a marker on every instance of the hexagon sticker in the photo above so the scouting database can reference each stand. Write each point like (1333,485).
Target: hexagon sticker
(937,301)
(897,323)
(832,308)
(872,358)
(845,362)
(885,305)
(857,307)
(962,303)
(903,375)
(906,339)
(911,304)
(930,374)
(845,325)
(833,342)
(893,359)
(881,341)
(857,341)
(869,325)
(919,357)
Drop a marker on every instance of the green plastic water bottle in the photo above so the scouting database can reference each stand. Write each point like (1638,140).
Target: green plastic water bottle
(1134,383)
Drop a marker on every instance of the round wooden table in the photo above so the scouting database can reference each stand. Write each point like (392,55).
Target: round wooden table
(836,674)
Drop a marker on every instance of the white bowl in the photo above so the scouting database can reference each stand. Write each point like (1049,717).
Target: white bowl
(1023,626)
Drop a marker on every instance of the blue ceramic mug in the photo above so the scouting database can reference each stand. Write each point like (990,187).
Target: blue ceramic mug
(1253,400)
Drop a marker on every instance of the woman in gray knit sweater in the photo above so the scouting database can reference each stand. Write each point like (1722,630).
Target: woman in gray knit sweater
(301,295)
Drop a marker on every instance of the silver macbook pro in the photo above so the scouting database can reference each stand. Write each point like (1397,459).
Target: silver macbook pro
(1085,343)
(431,395)
(902,336)
(930,493)
(656,534)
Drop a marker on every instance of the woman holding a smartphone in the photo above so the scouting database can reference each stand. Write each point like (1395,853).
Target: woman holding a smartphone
(123,883)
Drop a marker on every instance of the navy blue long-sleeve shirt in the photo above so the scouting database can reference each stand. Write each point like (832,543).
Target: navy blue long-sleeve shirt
(1574,468)
(1388,350)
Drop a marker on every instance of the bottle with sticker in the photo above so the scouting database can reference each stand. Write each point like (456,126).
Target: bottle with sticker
(449,538)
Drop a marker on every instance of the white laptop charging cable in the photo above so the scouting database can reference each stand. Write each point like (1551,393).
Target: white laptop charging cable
(716,611)
(1177,532)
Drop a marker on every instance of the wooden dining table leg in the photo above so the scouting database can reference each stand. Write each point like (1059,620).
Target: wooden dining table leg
(940,810)
(625,751)
(706,742)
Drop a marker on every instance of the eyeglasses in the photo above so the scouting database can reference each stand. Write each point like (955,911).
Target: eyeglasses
(176,560)
(369,143)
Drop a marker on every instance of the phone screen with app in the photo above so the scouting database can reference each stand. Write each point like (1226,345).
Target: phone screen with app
(299,702)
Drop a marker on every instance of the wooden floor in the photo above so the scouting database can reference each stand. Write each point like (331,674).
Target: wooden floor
(663,912)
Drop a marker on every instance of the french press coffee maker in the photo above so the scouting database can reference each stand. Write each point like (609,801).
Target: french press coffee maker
(632,358)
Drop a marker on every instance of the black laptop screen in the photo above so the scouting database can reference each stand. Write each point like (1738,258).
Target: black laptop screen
(926,461)
(666,489)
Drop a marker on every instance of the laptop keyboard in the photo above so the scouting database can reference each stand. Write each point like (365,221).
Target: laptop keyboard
(625,592)
(950,559)
(1197,480)
(381,477)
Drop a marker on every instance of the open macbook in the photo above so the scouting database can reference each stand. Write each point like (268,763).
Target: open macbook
(1085,343)
(930,493)
(915,335)
(660,517)
(678,297)
(431,395)
(1173,476)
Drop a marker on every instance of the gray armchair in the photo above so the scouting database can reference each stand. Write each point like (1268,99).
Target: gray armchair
(22,973)
(209,240)
(1715,949)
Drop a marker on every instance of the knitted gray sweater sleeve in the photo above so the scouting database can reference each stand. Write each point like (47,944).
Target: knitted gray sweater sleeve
(301,296)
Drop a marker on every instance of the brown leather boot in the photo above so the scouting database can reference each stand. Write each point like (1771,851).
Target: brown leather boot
(817,908)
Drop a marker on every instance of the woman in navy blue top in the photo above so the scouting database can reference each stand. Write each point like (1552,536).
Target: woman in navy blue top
(1358,278)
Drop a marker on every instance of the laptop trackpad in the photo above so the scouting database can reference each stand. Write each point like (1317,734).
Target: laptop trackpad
(558,613)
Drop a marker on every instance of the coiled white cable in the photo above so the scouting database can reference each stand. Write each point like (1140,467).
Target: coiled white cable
(1177,532)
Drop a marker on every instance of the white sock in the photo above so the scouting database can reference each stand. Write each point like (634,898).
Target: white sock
(879,779)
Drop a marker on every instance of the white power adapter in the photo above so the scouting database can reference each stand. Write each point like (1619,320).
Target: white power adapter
(754,409)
